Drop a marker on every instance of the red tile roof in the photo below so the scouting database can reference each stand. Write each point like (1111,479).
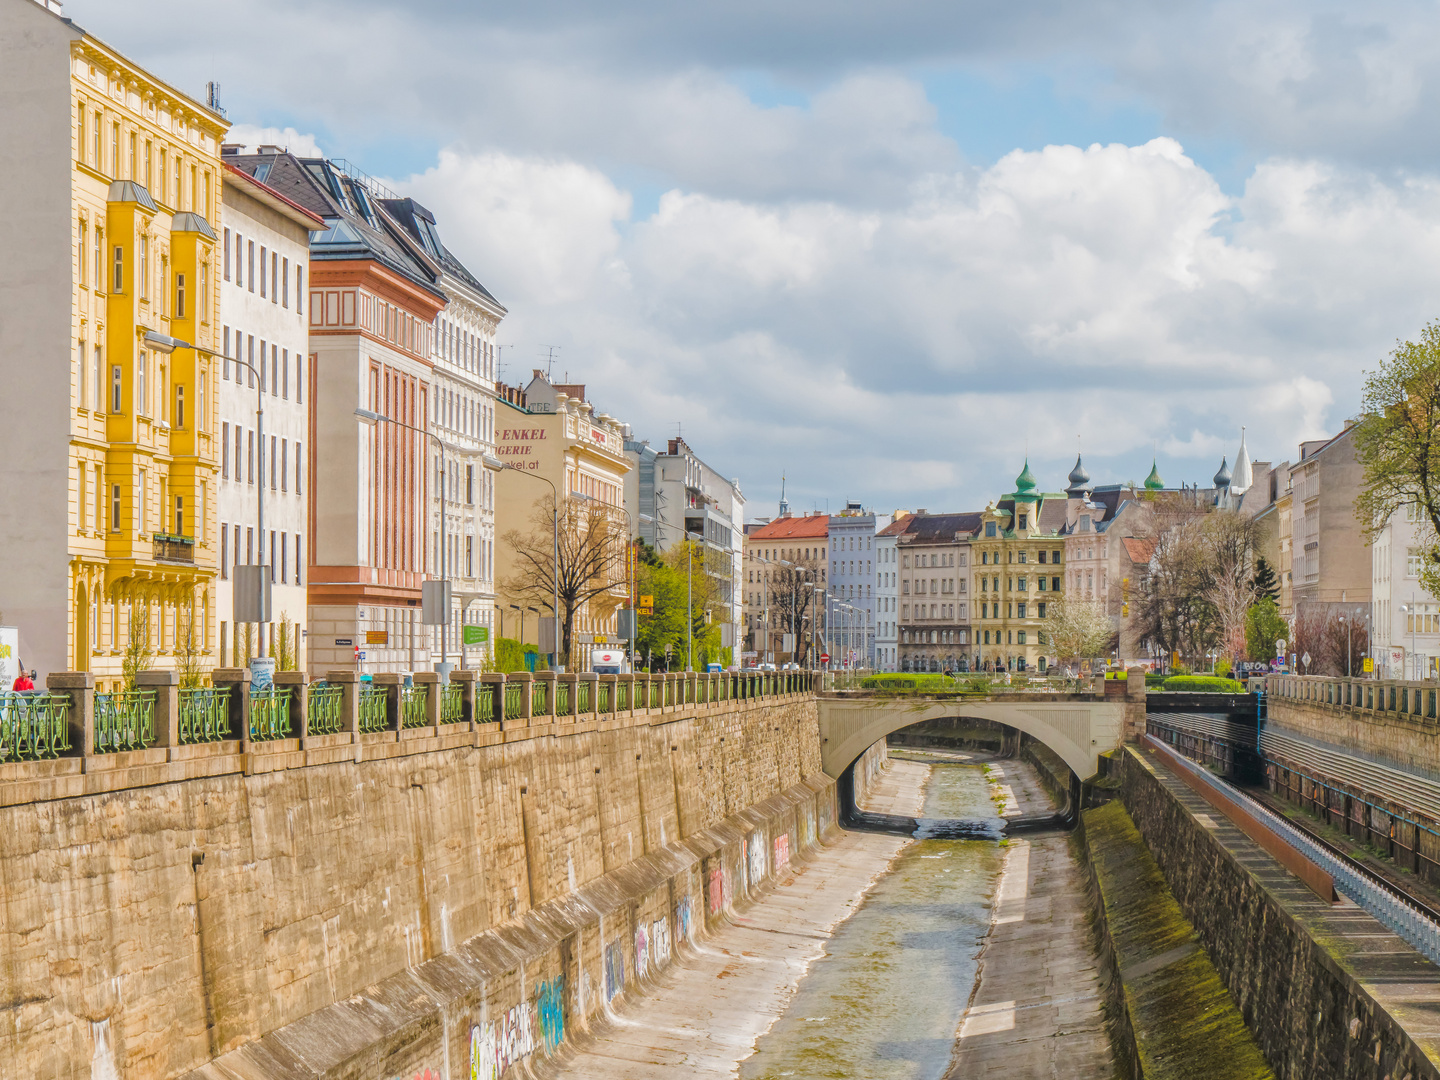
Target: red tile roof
(1139,549)
(811,526)
(896,527)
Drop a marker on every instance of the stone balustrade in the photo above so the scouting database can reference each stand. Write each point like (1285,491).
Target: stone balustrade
(1414,700)
(70,740)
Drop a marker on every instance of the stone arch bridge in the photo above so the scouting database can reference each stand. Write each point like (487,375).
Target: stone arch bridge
(1078,727)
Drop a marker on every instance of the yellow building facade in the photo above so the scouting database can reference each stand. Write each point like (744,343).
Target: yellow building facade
(135,371)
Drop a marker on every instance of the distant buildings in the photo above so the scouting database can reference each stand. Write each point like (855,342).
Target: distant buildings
(786,574)
(853,568)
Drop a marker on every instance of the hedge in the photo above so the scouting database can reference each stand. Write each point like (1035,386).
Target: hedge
(1204,683)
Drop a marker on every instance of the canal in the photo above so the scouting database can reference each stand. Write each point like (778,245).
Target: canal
(886,999)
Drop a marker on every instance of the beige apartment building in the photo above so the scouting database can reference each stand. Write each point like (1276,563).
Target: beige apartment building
(1331,557)
(783,559)
(934,628)
(551,438)
(109,332)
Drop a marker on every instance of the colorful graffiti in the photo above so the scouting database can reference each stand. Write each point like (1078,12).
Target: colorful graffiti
(782,851)
(757,858)
(682,918)
(614,971)
(498,1046)
(642,951)
(550,1004)
(717,890)
(807,830)
(423,1074)
(660,942)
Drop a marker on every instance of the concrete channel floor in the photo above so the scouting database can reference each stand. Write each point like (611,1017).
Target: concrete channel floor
(707,1011)
(1035,1011)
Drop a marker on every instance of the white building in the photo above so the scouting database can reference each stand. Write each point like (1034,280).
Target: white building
(852,584)
(887,595)
(265,339)
(463,416)
(1405,620)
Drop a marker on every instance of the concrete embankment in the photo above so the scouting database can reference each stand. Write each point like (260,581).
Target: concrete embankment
(1326,991)
(458,909)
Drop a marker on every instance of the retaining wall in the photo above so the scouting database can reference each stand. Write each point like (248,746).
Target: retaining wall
(381,917)
(1326,991)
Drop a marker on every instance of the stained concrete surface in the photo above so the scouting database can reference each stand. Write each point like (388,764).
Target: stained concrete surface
(1035,1011)
(706,1012)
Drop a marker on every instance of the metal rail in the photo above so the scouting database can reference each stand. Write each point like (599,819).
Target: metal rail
(1410,919)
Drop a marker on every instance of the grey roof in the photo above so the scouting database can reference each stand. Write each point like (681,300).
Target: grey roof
(130,191)
(1222,478)
(187,221)
(419,222)
(1079,479)
(356,226)
(941,528)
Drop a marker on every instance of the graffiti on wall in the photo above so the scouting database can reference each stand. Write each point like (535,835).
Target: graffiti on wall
(807,829)
(642,951)
(550,1005)
(757,858)
(717,889)
(683,927)
(423,1074)
(660,942)
(782,851)
(483,1065)
(495,1047)
(614,970)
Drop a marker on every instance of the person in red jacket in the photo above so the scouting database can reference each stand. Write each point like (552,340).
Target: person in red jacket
(23,682)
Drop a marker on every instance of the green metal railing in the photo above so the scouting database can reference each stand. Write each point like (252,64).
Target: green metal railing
(34,726)
(412,706)
(270,714)
(484,703)
(322,709)
(124,720)
(537,699)
(602,702)
(562,698)
(514,701)
(623,695)
(452,703)
(373,702)
(204,714)
(582,696)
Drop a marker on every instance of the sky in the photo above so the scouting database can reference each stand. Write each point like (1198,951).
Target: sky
(888,251)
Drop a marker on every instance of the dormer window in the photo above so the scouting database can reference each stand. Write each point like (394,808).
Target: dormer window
(1085,523)
(1024,519)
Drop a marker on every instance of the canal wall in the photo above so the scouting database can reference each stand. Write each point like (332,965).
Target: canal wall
(867,769)
(1169,1014)
(956,733)
(449,909)
(1328,993)
(1391,723)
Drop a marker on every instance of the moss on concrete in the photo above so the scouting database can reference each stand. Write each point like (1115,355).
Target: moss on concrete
(1179,1021)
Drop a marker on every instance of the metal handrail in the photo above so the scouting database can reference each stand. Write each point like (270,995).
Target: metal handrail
(485,703)
(270,714)
(204,714)
(412,706)
(374,701)
(34,726)
(514,701)
(452,703)
(124,720)
(322,709)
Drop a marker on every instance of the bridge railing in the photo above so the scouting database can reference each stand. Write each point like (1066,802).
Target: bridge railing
(1414,700)
(157,721)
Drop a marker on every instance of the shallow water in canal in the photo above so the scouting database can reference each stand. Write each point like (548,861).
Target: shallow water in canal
(885,1000)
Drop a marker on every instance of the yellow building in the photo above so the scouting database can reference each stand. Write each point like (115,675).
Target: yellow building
(1015,557)
(554,436)
(109,321)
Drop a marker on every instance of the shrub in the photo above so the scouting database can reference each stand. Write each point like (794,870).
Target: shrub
(509,655)
(1203,683)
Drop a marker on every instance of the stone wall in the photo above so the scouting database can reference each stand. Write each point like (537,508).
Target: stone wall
(867,769)
(1322,1005)
(370,915)
(1406,740)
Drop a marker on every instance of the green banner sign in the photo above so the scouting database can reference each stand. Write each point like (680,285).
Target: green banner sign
(474,635)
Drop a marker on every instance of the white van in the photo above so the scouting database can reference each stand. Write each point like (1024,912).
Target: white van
(609,662)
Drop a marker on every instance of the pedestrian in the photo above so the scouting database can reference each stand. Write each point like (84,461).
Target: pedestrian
(23,682)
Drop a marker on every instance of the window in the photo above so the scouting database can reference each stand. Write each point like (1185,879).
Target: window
(469,478)
(1020,638)
(1055,584)
(225,451)
(115,508)
(1024,519)
(1042,557)
(115,150)
(204,292)
(285,373)
(237,455)
(99,259)
(1023,556)
(284,557)
(227,254)
(115,385)
(164,197)
(297,467)
(469,556)
(179,296)
(990,529)
(299,376)
(119,279)
(262,271)
(285,283)
(298,559)
(299,290)
(284,465)
(250,263)
(274,370)
(224,548)
(1041,610)
(272,462)
(179,406)
(250,456)
(84,398)
(80,142)
(272,556)
(133,174)
(1054,557)
(1412,563)
(142,403)
(250,348)
(179,515)
(1020,610)
(1041,582)
(84,252)
(274,277)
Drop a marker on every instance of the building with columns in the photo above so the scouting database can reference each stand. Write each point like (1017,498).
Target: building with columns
(109,330)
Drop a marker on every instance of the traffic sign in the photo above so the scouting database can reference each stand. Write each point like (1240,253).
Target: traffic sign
(1280,644)
(1369,665)
(1306,661)
(824,658)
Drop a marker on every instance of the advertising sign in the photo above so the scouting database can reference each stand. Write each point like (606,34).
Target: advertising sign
(474,635)
(377,637)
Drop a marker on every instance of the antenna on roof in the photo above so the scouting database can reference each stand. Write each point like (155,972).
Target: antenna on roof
(500,359)
(551,350)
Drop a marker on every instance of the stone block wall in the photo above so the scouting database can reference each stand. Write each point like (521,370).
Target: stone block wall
(1407,740)
(370,915)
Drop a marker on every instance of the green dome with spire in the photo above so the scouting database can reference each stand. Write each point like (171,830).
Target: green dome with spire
(1025,485)
(1153,481)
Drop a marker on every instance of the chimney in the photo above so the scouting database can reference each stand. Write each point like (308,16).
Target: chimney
(266,148)
(231,149)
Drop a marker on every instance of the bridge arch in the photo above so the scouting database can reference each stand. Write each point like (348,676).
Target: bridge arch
(1079,731)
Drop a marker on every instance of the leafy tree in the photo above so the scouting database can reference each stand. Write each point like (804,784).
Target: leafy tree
(285,645)
(666,624)
(1264,584)
(590,576)
(509,655)
(1263,627)
(1078,629)
(1397,441)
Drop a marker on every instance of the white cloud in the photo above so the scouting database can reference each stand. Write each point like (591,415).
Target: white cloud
(251,136)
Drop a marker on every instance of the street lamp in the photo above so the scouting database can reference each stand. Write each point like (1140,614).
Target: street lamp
(371,417)
(492,462)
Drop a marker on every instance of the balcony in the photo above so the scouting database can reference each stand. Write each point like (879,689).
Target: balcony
(174,549)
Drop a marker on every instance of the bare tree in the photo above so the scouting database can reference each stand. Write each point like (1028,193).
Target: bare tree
(1230,540)
(590,576)
(139,654)
(789,601)
(190,654)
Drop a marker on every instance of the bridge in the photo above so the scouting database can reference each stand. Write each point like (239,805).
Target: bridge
(1077,726)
